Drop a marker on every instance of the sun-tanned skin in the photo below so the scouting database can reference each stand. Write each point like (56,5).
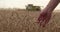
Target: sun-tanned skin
(45,14)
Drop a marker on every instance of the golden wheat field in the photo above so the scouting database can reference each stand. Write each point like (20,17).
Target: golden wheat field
(25,21)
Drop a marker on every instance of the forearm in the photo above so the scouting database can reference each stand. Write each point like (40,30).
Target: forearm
(51,5)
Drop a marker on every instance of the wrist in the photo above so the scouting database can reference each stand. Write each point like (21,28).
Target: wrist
(48,9)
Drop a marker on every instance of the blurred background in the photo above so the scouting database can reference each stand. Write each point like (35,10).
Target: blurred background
(22,3)
(22,15)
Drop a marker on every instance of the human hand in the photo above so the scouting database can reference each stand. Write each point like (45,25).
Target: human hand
(44,18)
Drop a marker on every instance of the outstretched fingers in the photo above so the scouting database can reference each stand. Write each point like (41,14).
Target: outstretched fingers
(45,22)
